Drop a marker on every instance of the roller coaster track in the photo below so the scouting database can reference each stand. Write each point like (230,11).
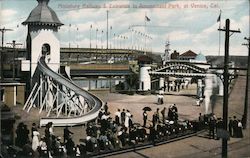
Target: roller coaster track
(94,103)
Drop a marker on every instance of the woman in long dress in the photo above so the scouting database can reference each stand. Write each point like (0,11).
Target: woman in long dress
(35,140)
(127,116)
(35,143)
(240,134)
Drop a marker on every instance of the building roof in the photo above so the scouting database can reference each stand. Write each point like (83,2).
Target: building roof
(42,14)
(189,53)
(200,57)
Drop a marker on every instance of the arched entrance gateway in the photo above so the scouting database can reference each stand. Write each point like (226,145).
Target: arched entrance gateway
(175,72)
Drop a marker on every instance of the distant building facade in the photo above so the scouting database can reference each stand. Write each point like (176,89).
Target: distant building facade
(175,55)
(188,55)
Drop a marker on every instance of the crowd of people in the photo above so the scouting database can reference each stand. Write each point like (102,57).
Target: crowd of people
(176,85)
(108,134)
(215,126)
(49,145)
(104,134)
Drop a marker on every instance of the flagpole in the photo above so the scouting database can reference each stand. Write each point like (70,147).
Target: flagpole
(145,21)
(219,32)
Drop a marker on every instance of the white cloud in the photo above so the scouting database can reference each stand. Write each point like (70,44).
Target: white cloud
(206,34)
(179,35)
(8,12)
(194,29)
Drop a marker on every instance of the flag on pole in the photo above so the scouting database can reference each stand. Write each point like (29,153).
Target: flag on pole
(146,18)
(218,19)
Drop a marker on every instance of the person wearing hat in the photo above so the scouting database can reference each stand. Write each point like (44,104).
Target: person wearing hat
(117,116)
(219,126)
(212,123)
(48,137)
(175,108)
(152,134)
(106,107)
(66,134)
(35,140)
(240,134)
(230,126)
(83,149)
(33,128)
(127,117)
(101,112)
(123,116)
(155,119)
(70,147)
(145,117)
(130,122)
(163,111)
(235,127)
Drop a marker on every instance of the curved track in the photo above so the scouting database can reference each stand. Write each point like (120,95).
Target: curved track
(92,100)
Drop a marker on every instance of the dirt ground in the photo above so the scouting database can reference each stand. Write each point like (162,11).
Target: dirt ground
(200,146)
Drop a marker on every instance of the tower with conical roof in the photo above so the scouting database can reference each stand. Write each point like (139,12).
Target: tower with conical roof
(166,56)
(42,38)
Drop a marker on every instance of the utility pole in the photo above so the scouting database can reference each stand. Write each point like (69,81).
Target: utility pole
(245,117)
(3,30)
(14,44)
(226,83)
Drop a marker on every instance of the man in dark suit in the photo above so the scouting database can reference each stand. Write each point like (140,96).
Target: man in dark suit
(230,126)
(70,147)
(155,119)
(123,114)
(66,134)
(235,127)
(212,123)
(106,107)
(145,117)
(152,134)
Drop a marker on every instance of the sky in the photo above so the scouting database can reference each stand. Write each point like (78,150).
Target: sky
(187,25)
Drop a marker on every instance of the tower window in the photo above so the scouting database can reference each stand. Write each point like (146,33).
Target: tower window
(46,49)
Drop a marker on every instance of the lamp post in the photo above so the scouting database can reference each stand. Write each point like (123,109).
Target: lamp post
(120,40)
(96,37)
(90,34)
(114,41)
(110,37)
(102,40)
(77,39)
(69,34)
(131,38)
